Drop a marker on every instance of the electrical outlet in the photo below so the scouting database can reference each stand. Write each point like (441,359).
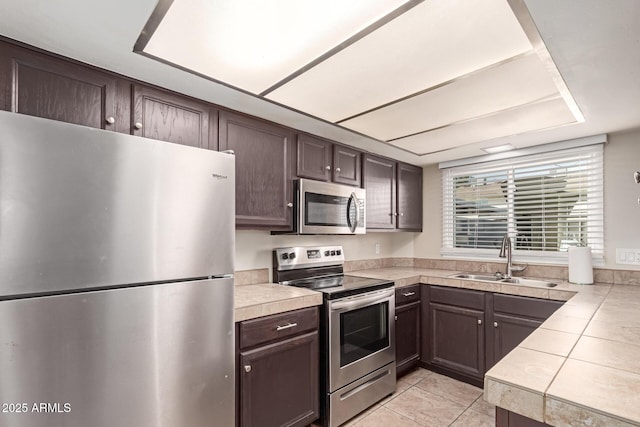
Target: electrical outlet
(377,248)
(628,256)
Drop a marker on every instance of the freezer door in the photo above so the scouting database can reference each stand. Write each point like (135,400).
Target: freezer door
(159,355)
(83,208)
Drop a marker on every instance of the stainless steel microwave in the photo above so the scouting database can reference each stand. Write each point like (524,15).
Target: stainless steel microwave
(326,208)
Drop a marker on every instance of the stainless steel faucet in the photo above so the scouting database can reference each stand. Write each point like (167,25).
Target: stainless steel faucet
(505,251)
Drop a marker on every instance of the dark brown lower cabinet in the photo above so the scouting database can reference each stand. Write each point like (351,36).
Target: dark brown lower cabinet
(407,329)
(506,418)
(278,370)
(454,327)
(513,318)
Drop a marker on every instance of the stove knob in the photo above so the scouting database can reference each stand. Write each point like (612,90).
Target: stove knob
(338,252)
(285,256)
(326,253)
(292,255)
(333,253)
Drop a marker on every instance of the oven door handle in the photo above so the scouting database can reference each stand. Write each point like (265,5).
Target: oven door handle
(362,301)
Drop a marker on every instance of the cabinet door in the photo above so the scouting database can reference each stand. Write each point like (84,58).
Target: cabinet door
(279,383)
(407,337)
(409,197)
(314,158)
(43,86)
(167,117)
(506,418)
(457,339)
(264,159)
(508,332)
(380,183)
(347,167)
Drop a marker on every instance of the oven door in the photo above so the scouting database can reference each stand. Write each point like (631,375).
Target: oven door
(326,208)
(361,335)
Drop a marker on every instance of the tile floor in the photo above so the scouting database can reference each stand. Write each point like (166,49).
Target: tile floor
(427,399)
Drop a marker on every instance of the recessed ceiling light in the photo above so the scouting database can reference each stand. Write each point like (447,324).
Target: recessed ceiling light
(499,148)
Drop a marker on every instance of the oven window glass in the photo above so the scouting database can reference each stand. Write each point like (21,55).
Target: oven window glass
(363,332)
(321,209)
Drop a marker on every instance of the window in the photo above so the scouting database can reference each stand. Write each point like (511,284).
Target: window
(545,201)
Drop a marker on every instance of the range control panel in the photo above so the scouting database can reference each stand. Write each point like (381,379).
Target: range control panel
(308,256)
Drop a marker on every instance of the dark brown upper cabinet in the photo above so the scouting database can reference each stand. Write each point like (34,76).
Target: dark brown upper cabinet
(173,118)
(409,197)
(380,184)
(264,163)
(394,194)
(325,161)
(44,86)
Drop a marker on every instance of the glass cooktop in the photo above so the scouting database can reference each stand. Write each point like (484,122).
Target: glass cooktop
(340,286)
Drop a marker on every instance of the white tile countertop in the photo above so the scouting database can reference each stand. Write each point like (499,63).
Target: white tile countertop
(580,367)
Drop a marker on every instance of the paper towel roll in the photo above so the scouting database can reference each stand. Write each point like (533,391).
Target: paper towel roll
(580,265)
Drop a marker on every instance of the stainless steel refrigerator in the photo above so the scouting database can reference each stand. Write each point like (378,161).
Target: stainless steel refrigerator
(116,279)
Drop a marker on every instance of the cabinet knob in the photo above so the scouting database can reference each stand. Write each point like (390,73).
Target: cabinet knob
(396,317)
(289,205)
(401,213)
(110,120)
(138,125)
(328,167)
(395,214)
(479,321)
(338,170)
(247,368)
(495,324)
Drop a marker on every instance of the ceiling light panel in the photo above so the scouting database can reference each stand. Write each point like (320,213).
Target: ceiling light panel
(513,83)
(253,44)
(432,43)
(532,117)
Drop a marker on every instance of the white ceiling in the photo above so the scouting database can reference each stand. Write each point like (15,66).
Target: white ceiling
(595,47)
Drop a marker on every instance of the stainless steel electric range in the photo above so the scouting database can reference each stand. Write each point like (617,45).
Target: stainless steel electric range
(357,329)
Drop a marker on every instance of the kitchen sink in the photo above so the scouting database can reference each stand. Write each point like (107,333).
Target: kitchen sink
(482,277)
(511,280)
(529,282)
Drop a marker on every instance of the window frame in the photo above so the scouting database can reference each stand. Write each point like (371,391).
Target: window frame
(565,149)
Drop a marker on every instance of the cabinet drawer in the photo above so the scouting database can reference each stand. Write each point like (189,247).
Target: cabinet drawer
(407,294)
(458,297)
(524,306)
(278,326)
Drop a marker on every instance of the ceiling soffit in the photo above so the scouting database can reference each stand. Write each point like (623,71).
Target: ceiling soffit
(424,77)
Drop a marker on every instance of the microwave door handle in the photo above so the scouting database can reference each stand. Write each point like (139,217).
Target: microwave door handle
(353,201)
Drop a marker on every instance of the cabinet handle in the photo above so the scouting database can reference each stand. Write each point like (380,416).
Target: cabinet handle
(289,205)
(287,326)
(495,324)
(328,167)
(395,317)
(138,125)
(338,170)
(479,321)
(409,294)
(247,368)
(110,120)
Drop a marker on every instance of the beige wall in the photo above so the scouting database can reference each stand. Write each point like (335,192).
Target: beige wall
(621,193)
(253,248)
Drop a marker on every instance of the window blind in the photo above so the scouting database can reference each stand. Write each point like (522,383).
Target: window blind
(546,202)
